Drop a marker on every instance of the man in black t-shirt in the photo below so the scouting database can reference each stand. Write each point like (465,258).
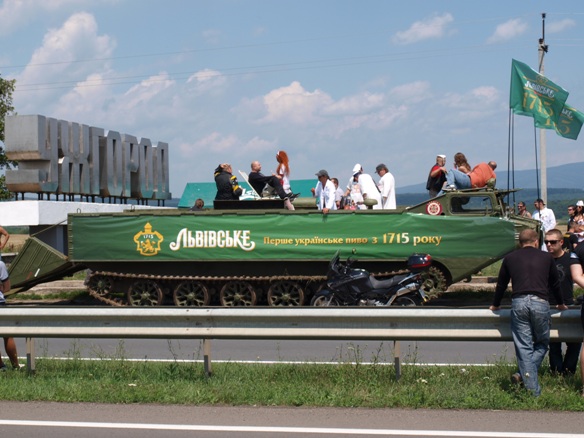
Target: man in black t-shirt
(533,274)
(559,363)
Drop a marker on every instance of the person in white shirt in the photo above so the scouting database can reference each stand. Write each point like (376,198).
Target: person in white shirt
(338,192)
(386,187)
(368,187)
(325,192)
(546,216)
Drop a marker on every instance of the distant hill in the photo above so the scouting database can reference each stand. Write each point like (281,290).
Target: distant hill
(566,176)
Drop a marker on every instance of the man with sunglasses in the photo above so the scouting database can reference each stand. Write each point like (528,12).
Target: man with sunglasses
(562,363)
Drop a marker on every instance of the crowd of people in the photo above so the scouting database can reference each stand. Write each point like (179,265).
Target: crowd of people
(330,196)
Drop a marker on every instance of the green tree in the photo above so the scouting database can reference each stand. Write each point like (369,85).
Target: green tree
(6,109)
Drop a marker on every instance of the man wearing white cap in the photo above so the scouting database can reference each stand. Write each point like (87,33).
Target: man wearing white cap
(437,176)
(366,184)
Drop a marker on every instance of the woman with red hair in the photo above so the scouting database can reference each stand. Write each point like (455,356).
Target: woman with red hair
(283,170)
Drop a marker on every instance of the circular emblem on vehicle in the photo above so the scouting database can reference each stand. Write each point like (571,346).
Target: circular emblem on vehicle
(434,208)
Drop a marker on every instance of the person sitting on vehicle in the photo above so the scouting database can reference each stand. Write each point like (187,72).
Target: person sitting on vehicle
(482,174)
(258,181)
(227,185)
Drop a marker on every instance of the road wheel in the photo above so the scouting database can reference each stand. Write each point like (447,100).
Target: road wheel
(144,293)
(237,294)
(101,285)
(285,293)
(434,282)
(191,294)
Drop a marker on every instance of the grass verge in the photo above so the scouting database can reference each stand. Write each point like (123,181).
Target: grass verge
(343,385)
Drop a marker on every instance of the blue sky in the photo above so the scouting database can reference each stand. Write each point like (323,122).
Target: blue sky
(333,83)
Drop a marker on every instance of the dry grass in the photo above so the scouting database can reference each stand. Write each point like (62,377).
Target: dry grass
(15,242)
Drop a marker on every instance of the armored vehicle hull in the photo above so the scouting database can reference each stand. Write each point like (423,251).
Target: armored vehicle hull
(247,257)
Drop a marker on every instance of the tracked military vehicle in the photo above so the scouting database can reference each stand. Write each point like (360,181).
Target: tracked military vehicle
(243,254)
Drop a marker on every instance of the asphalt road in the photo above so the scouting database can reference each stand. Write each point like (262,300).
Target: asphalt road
(56,420)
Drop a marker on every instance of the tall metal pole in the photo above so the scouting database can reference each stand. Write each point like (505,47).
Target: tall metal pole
(542,50)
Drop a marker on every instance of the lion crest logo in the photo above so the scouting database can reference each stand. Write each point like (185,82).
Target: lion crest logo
(148,241)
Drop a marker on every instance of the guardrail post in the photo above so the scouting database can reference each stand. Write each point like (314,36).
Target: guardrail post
(30,358)
(207,357)
(396,359)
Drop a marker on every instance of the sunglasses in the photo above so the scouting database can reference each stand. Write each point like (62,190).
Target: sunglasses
(550,242)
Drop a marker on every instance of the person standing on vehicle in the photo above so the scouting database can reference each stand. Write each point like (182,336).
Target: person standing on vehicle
(9,344)
(325,192)
(437,176)
(338,193)
(533,274)
(386,187)
(562,364)
(523,210)
(227,185)
(545,215)
(368,187)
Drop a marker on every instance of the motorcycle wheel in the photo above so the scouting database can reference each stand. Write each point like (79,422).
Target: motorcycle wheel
(324,300)
(407,301)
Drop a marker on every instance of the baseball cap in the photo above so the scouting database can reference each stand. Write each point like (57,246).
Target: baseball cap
(580,204)
(441,156)
(356,168)
(322,172)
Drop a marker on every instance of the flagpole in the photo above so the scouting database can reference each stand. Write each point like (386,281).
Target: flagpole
(542,50)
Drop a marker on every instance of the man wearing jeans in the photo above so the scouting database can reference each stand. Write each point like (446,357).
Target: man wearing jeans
(533,274)
(479,177)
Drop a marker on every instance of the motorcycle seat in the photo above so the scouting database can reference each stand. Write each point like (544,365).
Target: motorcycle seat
(385,284)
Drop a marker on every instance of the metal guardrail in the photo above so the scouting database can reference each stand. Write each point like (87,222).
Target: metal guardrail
(420,324)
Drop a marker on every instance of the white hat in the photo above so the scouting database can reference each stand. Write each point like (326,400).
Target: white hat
(441,156)
(356,168)
(580,204)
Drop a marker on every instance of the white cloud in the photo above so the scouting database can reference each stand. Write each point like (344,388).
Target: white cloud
(294,104)
(53,65)
(412,92)
(356,104)
(207,80)
(560,26)
(217,142)
(430,28)
(16,13)
(508,30)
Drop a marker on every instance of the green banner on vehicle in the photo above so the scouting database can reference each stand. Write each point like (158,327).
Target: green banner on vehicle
(312,236)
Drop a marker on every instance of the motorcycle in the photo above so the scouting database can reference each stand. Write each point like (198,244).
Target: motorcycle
(348,286)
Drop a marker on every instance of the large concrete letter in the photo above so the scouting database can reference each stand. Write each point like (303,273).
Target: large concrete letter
(32,141)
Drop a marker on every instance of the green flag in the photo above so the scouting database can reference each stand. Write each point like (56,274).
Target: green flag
(535,96)
(569,124)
